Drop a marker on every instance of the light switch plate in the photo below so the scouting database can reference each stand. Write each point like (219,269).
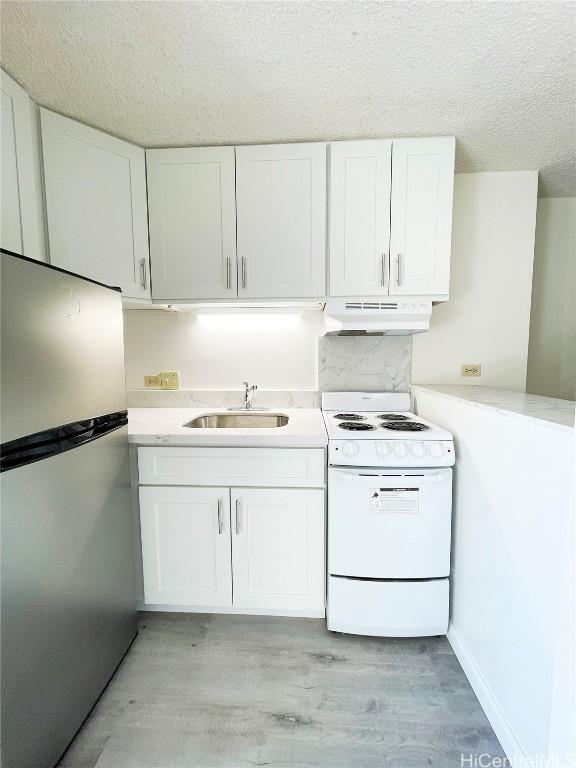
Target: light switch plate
(170,379)
(471,369)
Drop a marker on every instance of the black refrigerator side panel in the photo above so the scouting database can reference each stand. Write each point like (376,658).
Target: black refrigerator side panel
(62,351)
(68,596)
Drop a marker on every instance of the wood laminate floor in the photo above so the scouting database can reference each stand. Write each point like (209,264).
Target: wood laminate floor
(200,691)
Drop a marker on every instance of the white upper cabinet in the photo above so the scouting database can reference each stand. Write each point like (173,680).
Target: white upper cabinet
(96,204)
(421,216)
(192,220)
(359,217)
(281,220)
(22,213)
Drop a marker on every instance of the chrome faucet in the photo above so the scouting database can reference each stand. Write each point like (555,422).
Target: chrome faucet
(248,394)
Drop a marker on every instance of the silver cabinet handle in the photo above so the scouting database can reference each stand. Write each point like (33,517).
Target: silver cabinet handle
(220,518)
(382,271)
(228,272)
(243,272)
(143,273)
(399,269)
(238,516)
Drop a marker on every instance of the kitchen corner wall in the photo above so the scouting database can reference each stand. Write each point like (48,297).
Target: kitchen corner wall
(486,320)
(552,348)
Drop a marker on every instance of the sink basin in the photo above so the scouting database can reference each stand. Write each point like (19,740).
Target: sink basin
(238,421)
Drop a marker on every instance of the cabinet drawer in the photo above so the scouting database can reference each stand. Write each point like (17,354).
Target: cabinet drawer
(266,467)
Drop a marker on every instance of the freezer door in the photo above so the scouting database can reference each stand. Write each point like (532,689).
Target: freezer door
(389,525)
(68,595)
(62,356)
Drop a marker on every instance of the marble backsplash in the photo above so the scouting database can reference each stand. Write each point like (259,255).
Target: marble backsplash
(345,363)
(216,398)
(364,363)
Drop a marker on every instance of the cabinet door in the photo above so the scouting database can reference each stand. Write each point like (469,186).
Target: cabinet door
(186,546)
(281,212)
(192,212)
(22,205)
(421,216)
(96,204)
(278,549)
(359,217)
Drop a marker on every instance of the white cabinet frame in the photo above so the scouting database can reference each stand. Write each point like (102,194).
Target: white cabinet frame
(421,216)
(192,221)
(277,540)
(96,204)
(23,222)
(234,544)
(281,220)
(360,217)
(186,546)
(276,467)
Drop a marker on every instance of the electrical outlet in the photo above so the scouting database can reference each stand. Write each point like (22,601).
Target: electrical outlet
(170,379)
(153,381)
(471,369)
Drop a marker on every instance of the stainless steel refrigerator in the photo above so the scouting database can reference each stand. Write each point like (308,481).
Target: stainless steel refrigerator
(67,578)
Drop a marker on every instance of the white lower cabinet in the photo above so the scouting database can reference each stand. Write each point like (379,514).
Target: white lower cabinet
(277,548)
(233,549)
(186,545)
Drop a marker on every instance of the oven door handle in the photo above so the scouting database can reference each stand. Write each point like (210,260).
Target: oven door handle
(424,476)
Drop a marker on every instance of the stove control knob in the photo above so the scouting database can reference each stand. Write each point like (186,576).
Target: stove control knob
(350,449)
(383,449)
(400,449)
(418,449)
(437,449)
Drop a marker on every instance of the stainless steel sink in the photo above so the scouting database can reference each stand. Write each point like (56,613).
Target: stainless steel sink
(238,421)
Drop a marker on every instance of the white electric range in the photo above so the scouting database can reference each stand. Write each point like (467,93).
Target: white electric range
(389,516)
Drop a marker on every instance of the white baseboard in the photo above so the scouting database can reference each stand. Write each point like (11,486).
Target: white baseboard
(488,701)
(317,613)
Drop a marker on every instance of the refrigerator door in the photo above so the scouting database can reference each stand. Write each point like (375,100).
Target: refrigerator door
(68,595)
(62,356)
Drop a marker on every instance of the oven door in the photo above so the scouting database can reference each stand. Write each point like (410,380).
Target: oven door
(392,524)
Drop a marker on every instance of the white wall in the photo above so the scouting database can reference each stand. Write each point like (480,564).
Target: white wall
(486,320)
(552,347)
(221,352)
(512,600)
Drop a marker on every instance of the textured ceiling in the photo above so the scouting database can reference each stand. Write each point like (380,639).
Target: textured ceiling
(500,76)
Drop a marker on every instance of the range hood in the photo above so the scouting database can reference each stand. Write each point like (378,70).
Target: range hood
(375,316)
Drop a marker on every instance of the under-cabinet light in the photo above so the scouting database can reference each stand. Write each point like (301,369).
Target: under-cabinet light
(262,321)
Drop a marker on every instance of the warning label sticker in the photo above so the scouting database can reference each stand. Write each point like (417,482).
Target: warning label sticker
(393,500)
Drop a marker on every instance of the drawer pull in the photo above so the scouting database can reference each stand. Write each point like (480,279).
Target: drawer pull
(228,273)
(143,281)
(238,517)
(244,283)
(220,518)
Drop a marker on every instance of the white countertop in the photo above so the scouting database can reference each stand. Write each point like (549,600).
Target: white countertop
(521,404)
(164,426)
